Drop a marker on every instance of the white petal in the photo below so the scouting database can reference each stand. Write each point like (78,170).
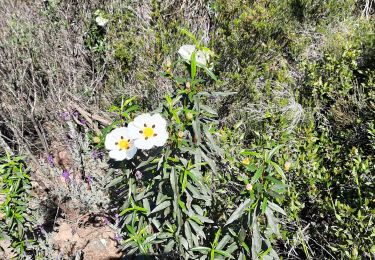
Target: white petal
(160,139)
(131,152)
(134,131)
(101,21)
(186,51)
(118,155)
(114,136)
(202,57)
(159,122)
(143,144)
(142,119)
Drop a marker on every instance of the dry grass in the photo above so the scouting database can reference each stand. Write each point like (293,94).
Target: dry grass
(44,66)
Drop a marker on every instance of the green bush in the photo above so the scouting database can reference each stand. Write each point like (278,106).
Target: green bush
(15,193)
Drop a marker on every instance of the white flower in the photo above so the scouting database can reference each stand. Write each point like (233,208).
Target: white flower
(101,21)
(148,131)
(202,57)
(120,144)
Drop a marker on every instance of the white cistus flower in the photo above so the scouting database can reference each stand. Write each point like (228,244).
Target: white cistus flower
(101,21)
(148,131)
(120,145)
(202,57)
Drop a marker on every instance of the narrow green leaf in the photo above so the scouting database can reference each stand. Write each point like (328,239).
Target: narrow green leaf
(208,109)
(278,169)
(276,208)
(201,249)
(239,211)
(188,234)
(264,204)
(193,65)
(161,206)
(223,253)
(257,174)
(223,242)
(198,229)
(273,151)
(256,241)
(272,221)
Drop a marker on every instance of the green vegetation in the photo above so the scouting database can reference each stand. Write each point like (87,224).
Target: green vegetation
(15,192)
(271,152)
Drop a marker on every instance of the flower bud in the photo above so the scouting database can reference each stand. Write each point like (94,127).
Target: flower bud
(180,134)
(249,187)
(287,165)
(189,116)
(246,161)
(96,139)
(168,63)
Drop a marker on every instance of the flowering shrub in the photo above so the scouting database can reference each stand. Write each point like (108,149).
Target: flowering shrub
(167,192)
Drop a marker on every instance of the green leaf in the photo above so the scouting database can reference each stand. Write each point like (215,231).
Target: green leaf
(169,101)
(256,241)
(278,169)
(203,219)
(188,234)
(189,34)
(276,207)
(223,253)
(169,247)
(193,65)
(272,221)
(257,174)
(198,229)
(241,256)
(210,73)
(161,206)
(201,249)
(239,211)
(253,153)
(273,151)
(223,242)
(245,246)
(264,204)
(208,110)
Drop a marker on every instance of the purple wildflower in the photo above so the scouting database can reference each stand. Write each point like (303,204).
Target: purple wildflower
(117,217)
(89,178)
(82,121)
(106,221)
(65,115)
(117,237)
(138,175)
(66,175)
(97,154)
(51,160)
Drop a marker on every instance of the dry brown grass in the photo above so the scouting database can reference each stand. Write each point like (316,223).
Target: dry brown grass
(44,67)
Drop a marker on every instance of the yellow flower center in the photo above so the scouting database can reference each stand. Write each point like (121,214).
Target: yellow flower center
(148,132)
(123,144)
